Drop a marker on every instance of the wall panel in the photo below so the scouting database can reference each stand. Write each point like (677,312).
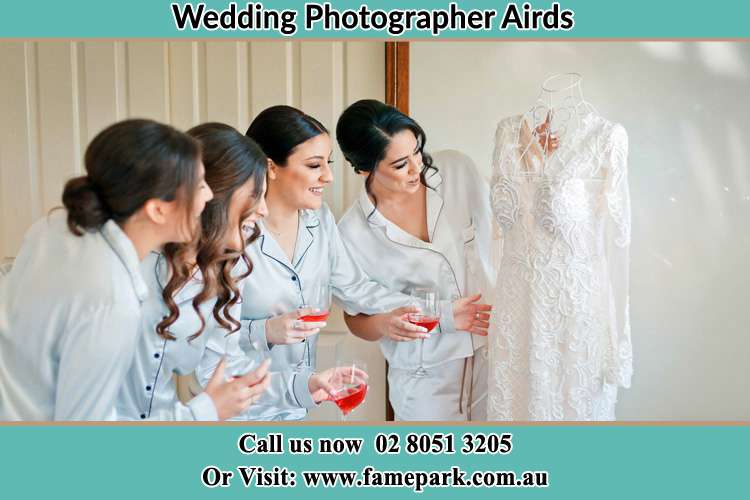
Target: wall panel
(20,201)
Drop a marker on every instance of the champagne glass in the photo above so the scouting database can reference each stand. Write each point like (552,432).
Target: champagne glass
(427,299)
(317,297)
(349,384)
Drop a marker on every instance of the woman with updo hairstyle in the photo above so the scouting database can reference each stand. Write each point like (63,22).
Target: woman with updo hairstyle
(70,310)
(299,249)
(421,221)
(194,293)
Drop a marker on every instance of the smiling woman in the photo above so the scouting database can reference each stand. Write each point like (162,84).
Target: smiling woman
(298,253)
(299,148)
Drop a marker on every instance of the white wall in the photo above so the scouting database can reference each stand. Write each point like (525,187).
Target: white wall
(686,107)
(56,95)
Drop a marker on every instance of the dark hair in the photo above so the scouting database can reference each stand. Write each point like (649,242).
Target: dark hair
(364,131)
(230,159)
(127,164)
(278,130)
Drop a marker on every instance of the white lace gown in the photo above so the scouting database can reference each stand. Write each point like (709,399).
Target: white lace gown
(560,342)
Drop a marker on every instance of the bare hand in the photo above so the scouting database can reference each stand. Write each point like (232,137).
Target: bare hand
(471,316)
(321,385)
(232,397)
(395,325)
(549,141)
(290,329)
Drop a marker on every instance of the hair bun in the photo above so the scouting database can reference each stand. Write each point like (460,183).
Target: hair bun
(84,205)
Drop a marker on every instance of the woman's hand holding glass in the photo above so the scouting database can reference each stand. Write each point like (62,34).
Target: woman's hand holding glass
(326,385)
(395,325)
(471,316)
(289,328)
(232,397)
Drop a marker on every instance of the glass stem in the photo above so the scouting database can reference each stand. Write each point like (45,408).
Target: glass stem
(421,355)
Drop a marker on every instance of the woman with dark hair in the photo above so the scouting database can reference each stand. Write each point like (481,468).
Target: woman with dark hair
(70,310)
(195,291)
(415,225)
(299,249)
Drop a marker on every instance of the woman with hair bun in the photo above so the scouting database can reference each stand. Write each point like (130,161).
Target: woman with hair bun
(421,221)
(70,310)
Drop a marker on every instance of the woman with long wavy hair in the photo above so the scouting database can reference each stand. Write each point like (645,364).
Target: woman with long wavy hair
(195,287)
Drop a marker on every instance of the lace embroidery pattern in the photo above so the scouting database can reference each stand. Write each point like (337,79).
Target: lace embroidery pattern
(560,344)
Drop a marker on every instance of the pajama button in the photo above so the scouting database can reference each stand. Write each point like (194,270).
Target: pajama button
(156,355)
(148,387)
(143,416)
(294,278)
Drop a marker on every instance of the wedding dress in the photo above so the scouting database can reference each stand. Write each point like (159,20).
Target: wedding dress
(560,340)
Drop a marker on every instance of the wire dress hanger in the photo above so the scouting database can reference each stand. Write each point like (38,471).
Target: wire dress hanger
(557,115)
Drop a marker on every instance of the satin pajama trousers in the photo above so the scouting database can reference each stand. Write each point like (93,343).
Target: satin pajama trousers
(452,391)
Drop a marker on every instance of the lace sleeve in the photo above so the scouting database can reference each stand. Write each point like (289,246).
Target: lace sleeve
(504,196)
(619,367)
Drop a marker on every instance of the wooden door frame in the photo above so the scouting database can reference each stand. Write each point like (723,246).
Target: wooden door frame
(397,75)
(397,95)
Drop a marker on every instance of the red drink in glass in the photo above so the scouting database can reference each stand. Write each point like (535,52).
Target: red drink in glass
(428,322)
(315,317)
(349,398)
